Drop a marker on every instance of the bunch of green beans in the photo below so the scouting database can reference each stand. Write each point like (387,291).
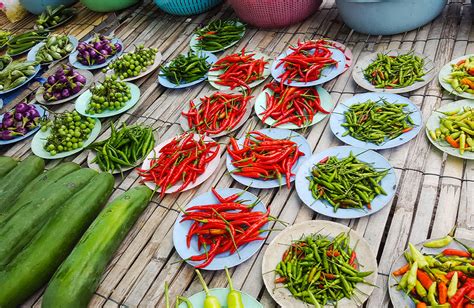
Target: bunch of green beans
(346,183)
(186,68)
(395,71)
(219,34)
(377,121)
(318,270)
(124,148)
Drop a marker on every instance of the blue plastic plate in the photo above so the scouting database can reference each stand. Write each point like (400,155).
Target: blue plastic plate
(326,75)
(221,261)
(399,298)
(39,141)
(77,64)
(221,293)
(82,103)
(211,59)
(41,111)
(275,133)
(324,96)
(337,118)
(33,51)
(377,161)
(37,69)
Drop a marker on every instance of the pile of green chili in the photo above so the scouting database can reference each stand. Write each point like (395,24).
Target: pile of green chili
(395,71)
(186,68)
(319,270)
(346,183)
(124,148)
(219,34)
(377,121)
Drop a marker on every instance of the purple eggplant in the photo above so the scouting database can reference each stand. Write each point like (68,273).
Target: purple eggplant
(18,116)
(8,115)
(100,59)
(21,130)
(8,123)
(7,135)
(51,80)
(80,78)
(77,88)
(21,107)
(118,47)
(33,113)
(65,93)
(57,96)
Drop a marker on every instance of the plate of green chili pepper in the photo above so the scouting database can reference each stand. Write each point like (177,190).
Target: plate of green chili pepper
(436,272)
(376,121)
(186,70)
(346,182)
(394,71)
(338,255)
(218,35)
(457,77)
(451,129)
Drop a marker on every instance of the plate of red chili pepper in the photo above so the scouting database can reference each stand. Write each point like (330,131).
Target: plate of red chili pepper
(434,273)
(221,228)
(217,114)
(242,70)
(323,250)
(376,121)
(292,107)
(308,64)
(267,158)
(346,182)
(180,163)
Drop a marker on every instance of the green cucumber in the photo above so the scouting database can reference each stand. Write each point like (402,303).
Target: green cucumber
(77,278)
(14,182)
(40,183)
(35,264)
(6,164)
(20,228)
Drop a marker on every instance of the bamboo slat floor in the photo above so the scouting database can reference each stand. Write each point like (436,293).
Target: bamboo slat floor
(435,191)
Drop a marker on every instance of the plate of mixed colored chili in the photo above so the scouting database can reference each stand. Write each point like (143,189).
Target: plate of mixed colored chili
(451,129)
(267,158)
(308,64)
(338,259)
(346,182)
(436,273)
(180,163)
(221,228)
(186,70)
(376,121)
(457,77)
(242,70)
(217,114)
(291,107)
(394,71)
(218,35)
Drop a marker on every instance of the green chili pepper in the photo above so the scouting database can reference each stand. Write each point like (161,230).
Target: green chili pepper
(234,298)
(439,242)
(432,294)
(417,257)
(411,279)
(210,301)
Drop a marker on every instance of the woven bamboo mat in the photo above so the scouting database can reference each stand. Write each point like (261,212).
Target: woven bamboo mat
(435,192)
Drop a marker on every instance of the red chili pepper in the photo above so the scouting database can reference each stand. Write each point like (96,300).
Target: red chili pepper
(456,252)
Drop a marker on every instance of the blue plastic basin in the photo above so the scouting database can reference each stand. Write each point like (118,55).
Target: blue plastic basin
(38,6)
(386,17)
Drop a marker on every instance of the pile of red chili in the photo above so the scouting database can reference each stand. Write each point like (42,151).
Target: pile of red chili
(306,62)
(291,104)
(223,227)
(216,113)
(239,70)
(183,159)
(263,157)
